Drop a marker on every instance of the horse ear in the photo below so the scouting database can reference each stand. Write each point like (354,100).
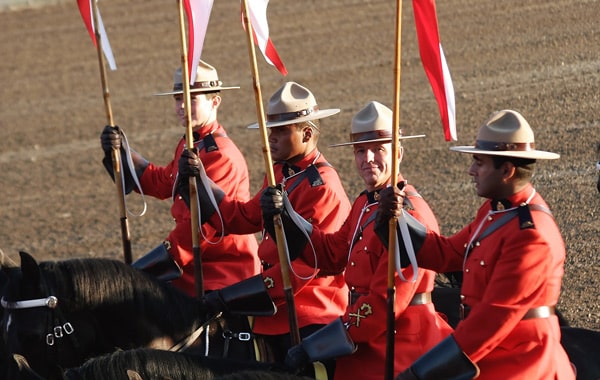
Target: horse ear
(30,268)
(6,262)
(132,375)
(21,361)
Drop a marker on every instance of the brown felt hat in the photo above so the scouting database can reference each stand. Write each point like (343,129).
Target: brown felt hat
(207,80)
(292,104)
(373,123)
(506,133)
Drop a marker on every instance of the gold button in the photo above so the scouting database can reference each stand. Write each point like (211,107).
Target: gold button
(482,263)
(467,270)
(489,218)
(477,244)
(466,245)
(352,263)
(462,297)
(367,209)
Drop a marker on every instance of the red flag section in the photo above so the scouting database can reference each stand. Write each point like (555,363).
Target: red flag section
(435,65)
(85,8)
(257,12)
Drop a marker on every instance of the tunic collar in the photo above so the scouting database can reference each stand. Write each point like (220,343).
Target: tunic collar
(514,200)
(291,170)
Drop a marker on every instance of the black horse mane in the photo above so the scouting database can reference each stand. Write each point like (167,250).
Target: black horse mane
(89,284)
(148,363)
(159,364)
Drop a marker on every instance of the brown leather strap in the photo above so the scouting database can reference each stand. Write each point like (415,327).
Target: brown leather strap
(420,299)
(536,312)
(540,312)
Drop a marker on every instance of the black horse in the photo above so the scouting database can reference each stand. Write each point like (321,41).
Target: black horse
(59,314)
(152,364)
(159,364)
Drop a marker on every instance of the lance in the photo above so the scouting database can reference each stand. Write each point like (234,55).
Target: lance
(189,136)
(391,288)
(282,248)
(116,155)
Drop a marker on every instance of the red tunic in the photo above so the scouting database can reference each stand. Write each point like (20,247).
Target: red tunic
(418,327)
(505,274)
(319,300)
(234,257)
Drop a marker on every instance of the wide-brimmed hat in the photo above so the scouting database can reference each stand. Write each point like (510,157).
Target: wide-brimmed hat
(506,133)
(292,104)
(373,123)
(207,80)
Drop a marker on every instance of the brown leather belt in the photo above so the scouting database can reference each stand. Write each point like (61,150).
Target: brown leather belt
(540,312)
(418,298)
(536,312)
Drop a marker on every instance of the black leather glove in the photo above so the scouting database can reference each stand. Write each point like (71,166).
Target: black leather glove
(295,226)
(247,297)
(445,361)
(391,201)
(329,342)
(182,187)
(110,138)
(271,201)
(407,375)
(390,204)
(189,164)
(271,204)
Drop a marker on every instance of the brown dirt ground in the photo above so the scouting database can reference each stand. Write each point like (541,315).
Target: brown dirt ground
(538,57)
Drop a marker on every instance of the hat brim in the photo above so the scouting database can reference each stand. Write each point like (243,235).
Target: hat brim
(197,90)
(384,140)
(320,114)
(528,154)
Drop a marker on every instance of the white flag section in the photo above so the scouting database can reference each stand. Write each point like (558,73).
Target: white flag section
(85,8)
(198,14)
(257,11)
(449,90)
(106,49)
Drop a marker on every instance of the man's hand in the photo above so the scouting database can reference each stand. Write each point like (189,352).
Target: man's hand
(189,164)
(271,201)
(391,202)
(110,138)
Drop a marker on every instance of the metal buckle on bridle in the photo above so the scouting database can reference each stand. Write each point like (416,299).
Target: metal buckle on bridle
(241,336)
(59,332)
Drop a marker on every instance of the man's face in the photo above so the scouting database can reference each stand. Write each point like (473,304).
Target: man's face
(286,142)
(374,163)
(203,109)
(488,180)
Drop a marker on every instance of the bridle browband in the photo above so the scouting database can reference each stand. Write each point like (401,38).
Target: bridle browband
(50,302)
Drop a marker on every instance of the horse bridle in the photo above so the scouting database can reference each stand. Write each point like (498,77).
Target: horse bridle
(51,302)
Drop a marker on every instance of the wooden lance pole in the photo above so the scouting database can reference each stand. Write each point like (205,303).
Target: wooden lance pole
(391,288)
(116,155)
(189,136)
(282,248)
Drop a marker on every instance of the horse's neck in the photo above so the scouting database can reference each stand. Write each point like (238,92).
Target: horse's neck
(130,296)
